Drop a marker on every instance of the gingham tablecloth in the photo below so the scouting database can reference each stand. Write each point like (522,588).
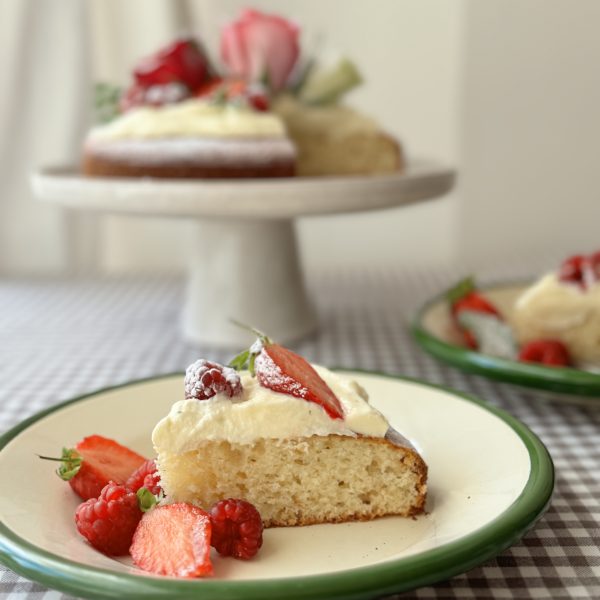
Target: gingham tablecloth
(61,338)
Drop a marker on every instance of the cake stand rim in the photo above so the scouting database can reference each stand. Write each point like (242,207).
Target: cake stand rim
(421,180)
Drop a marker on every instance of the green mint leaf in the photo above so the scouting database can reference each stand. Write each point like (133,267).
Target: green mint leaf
(240,362)
(106,102)
(460,290)
(494,337)
(251,363)
(146,499)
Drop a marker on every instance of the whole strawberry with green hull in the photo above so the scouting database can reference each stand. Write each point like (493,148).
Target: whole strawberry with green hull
(465,297)
(93,462)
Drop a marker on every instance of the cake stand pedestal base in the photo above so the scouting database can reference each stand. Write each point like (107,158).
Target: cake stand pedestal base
(244,265)
(247,270)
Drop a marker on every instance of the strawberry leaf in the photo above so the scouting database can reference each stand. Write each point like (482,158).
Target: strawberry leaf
(493,336)
(460,290)
(146,499)
(71,462)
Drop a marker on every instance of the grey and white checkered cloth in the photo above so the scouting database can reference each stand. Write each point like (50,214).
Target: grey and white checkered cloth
(61,338)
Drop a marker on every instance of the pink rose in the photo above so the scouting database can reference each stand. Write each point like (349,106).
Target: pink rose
(259,46)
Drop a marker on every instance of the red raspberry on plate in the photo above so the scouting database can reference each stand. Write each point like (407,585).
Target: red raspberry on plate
(109,521)
(205,379)
(152,483)
(136,479)
(236,528)
(173,539)
(548,352)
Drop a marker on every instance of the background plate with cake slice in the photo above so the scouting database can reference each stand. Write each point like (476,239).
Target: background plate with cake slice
(490,479)
(543,336)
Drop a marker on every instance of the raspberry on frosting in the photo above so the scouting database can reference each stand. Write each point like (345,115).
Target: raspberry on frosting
(205,379)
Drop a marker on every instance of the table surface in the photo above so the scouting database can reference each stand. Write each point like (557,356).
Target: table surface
(64,337)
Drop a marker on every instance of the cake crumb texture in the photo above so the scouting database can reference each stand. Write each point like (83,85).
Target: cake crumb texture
(302,481)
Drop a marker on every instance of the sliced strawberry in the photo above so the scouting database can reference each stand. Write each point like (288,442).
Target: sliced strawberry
(173,539)
(104,460)
(548,352)
(282,370)
(464,296)
(181,61)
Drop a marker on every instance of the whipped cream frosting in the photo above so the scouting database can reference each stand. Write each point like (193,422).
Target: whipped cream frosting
(558,305)
(262,413)
(337,119)
(191,118)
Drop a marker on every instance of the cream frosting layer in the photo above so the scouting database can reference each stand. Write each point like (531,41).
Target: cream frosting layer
(195,151)
(191,118)
(559,306)
(554,309)
(336,119)
(262,413)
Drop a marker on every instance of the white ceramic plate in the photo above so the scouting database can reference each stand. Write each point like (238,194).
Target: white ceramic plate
(435,331)
(490,478)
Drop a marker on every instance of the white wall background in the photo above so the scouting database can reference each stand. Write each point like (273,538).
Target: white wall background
(506,90)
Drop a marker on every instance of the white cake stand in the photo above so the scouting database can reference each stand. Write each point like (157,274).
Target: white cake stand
(245,262)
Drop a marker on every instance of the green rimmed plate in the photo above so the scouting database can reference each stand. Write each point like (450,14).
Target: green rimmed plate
(490,479)
(435,332)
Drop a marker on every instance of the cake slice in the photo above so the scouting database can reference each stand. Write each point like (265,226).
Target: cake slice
(334,139)
(564,306)
(299,442)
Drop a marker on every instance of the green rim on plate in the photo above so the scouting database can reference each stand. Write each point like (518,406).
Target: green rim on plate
(393,576)
(551,379)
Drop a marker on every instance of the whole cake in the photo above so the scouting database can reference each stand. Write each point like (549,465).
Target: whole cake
(564,305)
(266,114)
(191,139)
(300,443)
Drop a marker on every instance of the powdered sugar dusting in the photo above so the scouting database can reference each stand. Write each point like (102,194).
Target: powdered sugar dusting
(205,379)
(270,375)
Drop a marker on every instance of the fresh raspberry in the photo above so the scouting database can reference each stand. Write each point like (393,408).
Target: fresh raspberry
(136,479)
(205,379)
(548,352)
(152,483)
(572,269)
(236,528)
(109,521)
(173,539)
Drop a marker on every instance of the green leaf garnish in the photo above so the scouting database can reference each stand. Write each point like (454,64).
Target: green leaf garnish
(240,362)
(245,359)
(146,499)
(106,102)
(71,462)
(327,86)
(460,290)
